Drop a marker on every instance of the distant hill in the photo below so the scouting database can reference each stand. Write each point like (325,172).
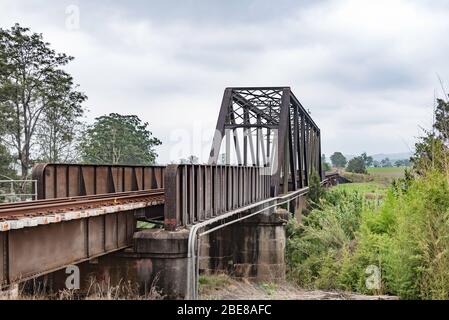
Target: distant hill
(392,156)
(381,156)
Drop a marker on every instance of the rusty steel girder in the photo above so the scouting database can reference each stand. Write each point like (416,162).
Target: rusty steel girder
(70,180)
(31,252)
(196,193)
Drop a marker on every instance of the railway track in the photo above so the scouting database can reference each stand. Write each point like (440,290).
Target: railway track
(49,206)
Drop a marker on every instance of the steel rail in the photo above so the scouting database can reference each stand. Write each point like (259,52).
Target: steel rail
(80,203)
(75,198)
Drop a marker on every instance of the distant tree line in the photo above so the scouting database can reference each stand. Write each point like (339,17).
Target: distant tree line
(360,163)
(42,112)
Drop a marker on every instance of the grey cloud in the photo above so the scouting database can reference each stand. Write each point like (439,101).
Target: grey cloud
(367,75)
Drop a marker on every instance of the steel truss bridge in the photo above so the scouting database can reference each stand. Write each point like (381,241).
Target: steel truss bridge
(265,146)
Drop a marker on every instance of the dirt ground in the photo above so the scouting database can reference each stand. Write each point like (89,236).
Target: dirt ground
(240,290)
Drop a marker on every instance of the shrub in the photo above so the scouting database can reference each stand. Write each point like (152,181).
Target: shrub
(407,237)
(356,165)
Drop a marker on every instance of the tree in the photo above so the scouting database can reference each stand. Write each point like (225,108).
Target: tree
(431,150)
(338,160)
(430,153)
(190,160)
(32,83)
(6,164)
(57,134)
(367,159)
(118,139)
(385,163)
(324,164)
(316,191)
(442,119)
(356,165)
(402,163)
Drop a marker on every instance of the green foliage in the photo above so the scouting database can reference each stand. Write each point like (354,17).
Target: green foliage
(338,160)
(431,153)
(315,247)
(442,118)
(406,237)
(357,165)
(402,163)
(6,159)
(212,282)
(269,287)
(35,95)
(324,164)
(368,160)
(385,163)
(315,189)
(118,139)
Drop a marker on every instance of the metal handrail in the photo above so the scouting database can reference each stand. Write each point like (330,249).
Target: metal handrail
(19,196)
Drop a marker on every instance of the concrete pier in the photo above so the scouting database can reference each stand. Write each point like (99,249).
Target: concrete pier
(260,247)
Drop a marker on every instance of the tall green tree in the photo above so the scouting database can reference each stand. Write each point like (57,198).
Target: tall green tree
(338,160)
(367,159)
(118,139)
(33,86)
(356,165)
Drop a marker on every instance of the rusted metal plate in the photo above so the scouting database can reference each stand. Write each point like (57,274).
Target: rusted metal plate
(117,176)
(46,247)
(89,179)
(70,180)
(129,179)
(122,229)
(158,174)
(110,231)
(96,235)
(130,227)
(139,177)
(49,183)
(74,181)
(61,182)
(101,179)
(3,257)
(195,193)
(148,180)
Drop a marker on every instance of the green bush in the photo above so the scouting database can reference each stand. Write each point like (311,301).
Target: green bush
(315,245)
(407,237)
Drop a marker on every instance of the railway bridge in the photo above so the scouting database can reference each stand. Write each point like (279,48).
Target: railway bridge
(225,216)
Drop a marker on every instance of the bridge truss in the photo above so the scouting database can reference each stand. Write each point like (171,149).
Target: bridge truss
(268,127)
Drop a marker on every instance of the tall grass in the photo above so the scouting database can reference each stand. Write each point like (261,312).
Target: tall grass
(407,237)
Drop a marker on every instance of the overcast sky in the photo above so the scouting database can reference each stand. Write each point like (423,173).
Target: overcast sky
(367,70)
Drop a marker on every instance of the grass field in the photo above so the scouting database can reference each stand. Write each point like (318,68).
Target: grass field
(363,187)
(390,171)
(382,176)
(373,184)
